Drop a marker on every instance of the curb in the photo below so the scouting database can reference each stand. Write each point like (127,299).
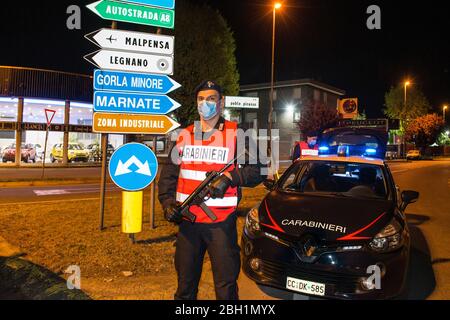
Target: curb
(37,183)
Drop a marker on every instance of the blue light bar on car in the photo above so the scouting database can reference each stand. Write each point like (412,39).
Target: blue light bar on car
(371,151)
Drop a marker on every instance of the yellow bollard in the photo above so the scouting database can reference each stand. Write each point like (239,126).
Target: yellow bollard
(132,211)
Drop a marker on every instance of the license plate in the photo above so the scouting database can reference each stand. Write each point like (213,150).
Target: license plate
(303,286)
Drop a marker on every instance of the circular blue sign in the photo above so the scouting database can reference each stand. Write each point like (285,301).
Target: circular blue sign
(133,166)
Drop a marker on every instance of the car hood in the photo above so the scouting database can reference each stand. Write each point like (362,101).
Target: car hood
(326,217)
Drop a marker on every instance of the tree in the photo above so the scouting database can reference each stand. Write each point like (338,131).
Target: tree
(416,104)
(316,116)
(424,130)
(204,49)
(444,138)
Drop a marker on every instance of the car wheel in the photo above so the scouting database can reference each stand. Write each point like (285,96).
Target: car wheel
(52,159)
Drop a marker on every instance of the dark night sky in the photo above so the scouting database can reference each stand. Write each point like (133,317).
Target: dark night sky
(322,39)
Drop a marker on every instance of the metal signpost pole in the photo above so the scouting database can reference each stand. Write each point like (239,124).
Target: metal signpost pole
(104,148)
(152,186)
(45,151)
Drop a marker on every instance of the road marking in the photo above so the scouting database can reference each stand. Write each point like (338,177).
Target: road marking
(399,171)
(55,192)
(51,201)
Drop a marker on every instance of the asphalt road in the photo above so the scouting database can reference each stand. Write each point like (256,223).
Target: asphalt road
(429,221)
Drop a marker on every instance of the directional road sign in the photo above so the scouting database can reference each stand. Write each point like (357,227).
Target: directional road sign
(132,13)
(133,167)
(124,102)
(132,41)
(169,4)
(132,124)
(131,61)
(133,82)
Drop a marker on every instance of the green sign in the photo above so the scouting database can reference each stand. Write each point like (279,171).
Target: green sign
(126,12)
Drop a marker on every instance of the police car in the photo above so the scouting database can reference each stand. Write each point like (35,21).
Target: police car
(333,225)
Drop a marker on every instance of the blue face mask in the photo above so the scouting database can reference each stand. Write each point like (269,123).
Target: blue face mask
(207,110)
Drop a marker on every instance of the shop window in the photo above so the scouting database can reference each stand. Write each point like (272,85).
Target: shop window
(297,94)
(8,109)
(7,140)
(34,111)
(33,145)
(81,114)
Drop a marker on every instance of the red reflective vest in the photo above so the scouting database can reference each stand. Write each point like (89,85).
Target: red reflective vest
(201,156)
(305,150)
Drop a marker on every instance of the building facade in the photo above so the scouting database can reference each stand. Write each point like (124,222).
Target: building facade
(25,95)
(289,97)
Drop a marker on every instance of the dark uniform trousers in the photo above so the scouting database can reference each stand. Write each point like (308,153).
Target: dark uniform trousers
(220,241)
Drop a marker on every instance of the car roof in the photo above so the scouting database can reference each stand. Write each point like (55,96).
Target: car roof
(355,159)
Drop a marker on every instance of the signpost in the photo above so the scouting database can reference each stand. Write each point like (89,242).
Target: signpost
(122,102)
(169,4)
(132,124)
(132,13)
(132,41)
(133,82)
(49,115)
(131,61)
(133,167)
(129,96)
(242,102)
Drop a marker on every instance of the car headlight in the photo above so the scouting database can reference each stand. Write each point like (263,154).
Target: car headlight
(389,239)
(252,222)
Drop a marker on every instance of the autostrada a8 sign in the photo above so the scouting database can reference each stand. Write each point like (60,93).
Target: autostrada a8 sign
(132,13)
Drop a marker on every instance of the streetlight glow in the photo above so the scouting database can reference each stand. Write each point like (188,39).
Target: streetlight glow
(277,5)
(407,83)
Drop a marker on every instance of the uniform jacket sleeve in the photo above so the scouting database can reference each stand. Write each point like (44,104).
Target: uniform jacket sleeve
(252,172)
(167,184)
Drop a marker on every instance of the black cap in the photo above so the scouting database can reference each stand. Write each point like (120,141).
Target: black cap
(208,85)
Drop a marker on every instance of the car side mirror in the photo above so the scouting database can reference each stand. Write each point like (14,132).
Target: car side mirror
(408,197)
(269,184)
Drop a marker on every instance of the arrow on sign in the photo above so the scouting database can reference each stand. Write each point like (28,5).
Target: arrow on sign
(124,168)
(133,82)
(132,41)
(125,12)
(131,61)
(108,101)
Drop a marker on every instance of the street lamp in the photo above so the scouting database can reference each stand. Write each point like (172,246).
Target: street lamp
(407,83)
(443,112)
(276,7)
(402,151)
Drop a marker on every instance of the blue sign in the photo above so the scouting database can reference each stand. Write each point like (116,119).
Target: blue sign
(133,82)
(122,102)
(133,167)
(169,4)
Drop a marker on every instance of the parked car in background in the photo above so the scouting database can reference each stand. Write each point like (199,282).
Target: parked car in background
(413,155)
(95,152)
(28,153)
(74,153)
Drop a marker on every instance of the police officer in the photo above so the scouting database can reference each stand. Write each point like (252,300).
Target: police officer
(306,148)
(205,146)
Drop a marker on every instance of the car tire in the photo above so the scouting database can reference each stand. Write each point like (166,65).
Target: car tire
(52,158)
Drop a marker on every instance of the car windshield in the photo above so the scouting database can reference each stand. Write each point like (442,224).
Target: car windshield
(345,179)
(74,147)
